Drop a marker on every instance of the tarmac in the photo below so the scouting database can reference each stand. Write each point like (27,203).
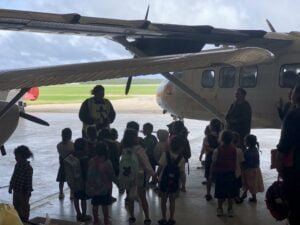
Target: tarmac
(191,207)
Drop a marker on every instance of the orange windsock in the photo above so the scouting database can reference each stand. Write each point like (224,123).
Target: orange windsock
(32,94)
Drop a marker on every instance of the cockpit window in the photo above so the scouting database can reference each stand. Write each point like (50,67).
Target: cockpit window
(289,75)
(208,78)
(248,76)
(227,77)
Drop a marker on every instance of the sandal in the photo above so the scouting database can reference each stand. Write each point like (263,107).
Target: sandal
(162,222)
(147,222)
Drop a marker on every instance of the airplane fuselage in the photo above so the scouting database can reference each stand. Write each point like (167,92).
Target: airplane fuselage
(265,86)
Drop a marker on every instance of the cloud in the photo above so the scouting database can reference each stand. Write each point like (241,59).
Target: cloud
(26,49)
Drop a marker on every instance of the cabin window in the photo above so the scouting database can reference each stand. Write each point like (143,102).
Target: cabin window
(227,77)
(248,76)
(208,78)
(178,74)
(289,75)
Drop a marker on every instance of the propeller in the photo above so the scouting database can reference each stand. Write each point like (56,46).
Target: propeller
(22,114)
(33,119)
(13,101)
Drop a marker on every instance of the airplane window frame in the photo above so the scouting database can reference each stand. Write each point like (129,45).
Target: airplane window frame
(205,85)
(241,74)
(281,72)
(221,74)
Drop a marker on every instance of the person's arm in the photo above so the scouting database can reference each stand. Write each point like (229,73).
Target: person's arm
(144,161)
(112,113)
(84,113)
(28,181)
(12,181)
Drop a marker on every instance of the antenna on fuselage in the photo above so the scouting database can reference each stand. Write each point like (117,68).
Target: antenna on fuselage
(147,12)
(270,26)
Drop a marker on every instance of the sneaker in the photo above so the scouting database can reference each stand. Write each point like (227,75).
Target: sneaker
(183,189)
(230,213)
(220,212)
(171,222)
(162,222)
(147,222)
(113,199)
(131,220)
(204,182)
(208,197)
(253,200)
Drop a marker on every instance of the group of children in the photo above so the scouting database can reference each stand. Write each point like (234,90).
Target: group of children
(90,165)
(230,167)
(99,159)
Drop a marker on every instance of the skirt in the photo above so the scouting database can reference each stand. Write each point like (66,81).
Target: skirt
(253,180)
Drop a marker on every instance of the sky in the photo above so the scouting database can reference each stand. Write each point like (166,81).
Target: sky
(20,49)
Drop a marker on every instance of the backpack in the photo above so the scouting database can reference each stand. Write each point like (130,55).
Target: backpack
(275,201)
(73,173)
(171,175)
(129,168)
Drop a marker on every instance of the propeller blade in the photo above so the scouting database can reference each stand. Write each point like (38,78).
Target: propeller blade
(3,151)
(128,84)
(270,26)
(33,119)
(147,12)
(13,101)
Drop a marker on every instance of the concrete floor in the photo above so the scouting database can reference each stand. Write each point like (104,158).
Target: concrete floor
(191,207)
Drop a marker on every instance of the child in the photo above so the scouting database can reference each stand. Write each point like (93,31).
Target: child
(210,143)
(239,160)
(224,167)
(99,182)
(21,182)
(162,145)
(137,167)
(76,166)
(114,135)
(150,141)
(252,172)
(64,148)
(92,140)
(171,164)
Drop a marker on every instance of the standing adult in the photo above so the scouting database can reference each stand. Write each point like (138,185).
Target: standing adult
(97,111)
(238,118)
(289,157)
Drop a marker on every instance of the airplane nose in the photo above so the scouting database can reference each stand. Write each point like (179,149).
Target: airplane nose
(165,89)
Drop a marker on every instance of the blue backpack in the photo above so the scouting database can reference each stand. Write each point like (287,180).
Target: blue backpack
(171,175)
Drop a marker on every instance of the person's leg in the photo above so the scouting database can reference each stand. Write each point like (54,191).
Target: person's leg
(183,181)
(105,214)
(253,198)
(95,214)
(163,206)
(172,207)
(220,207)
(131,207)
(208,196)
(83,207)
(144,202)
(61,190)
(230,207)
(77,208)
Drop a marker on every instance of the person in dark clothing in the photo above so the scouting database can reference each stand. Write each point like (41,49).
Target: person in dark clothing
(284,108)
(21,182)
(238,117)
(96,110)
(289,157)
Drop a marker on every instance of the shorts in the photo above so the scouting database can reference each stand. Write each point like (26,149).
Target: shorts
(101,200)
(226,185)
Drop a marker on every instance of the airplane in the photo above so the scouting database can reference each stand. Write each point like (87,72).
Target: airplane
(201,82)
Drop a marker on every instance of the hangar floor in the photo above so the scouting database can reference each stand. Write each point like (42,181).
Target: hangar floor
(191,207)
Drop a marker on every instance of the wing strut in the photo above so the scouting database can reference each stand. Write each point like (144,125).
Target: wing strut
(198,98)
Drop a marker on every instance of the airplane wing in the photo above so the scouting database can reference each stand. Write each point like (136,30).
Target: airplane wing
(26,78)
(151,38)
